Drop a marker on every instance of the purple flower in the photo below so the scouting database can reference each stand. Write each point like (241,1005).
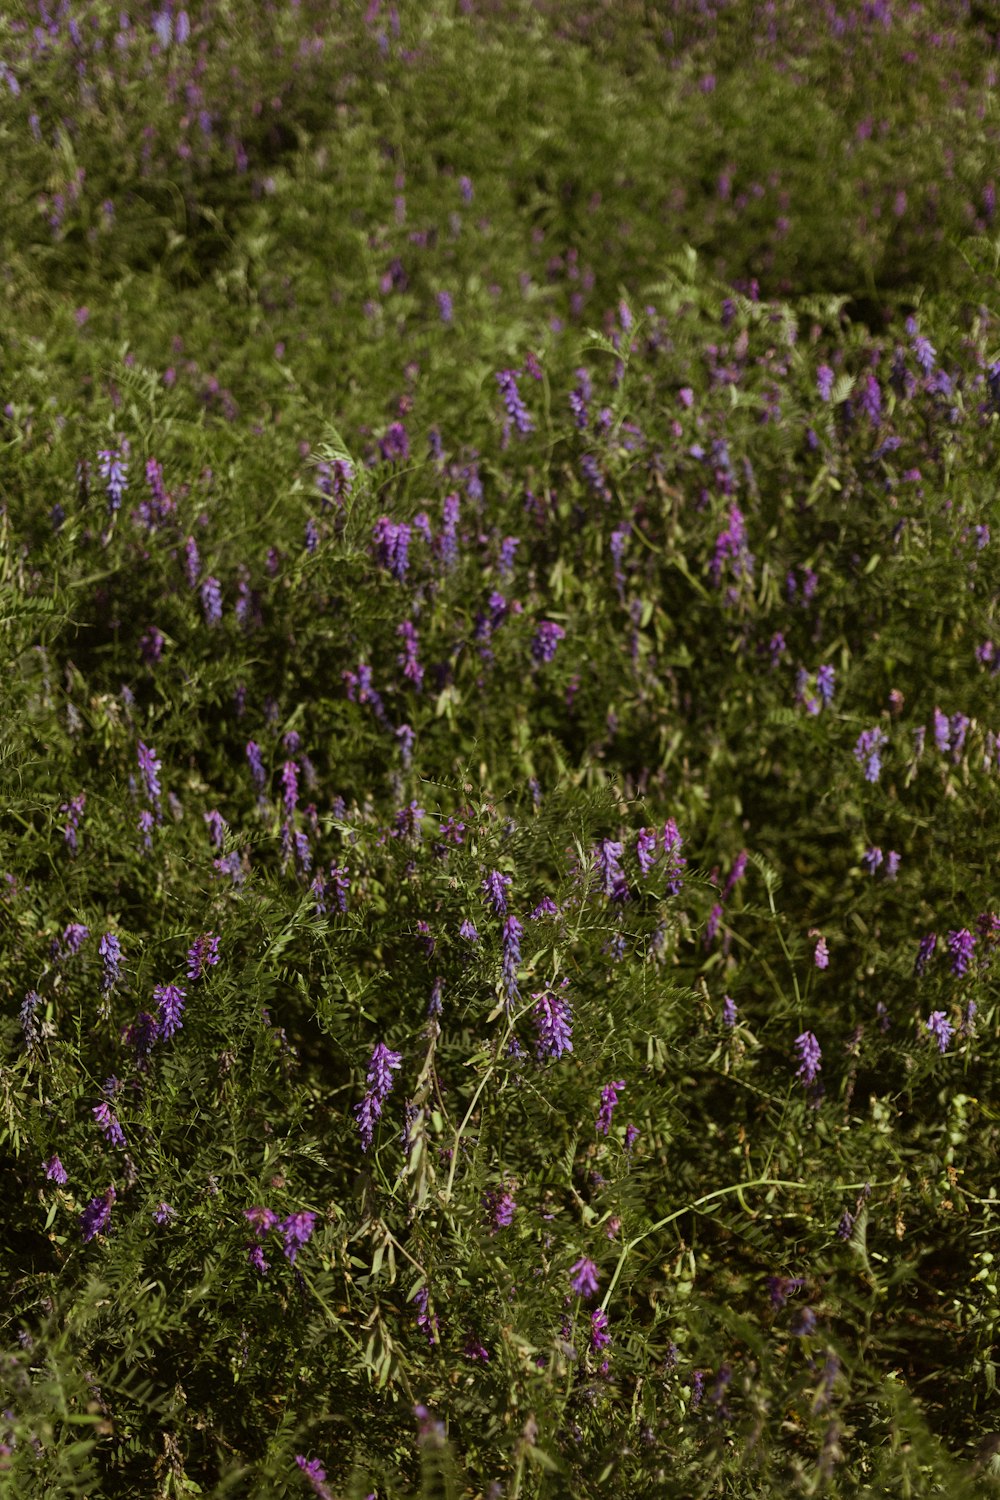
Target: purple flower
(468,932)
(216,827)
(203,954)
(672,843)
(97,1215)
(290,784)
(600,1338)
(114,470)
(824,382)
(728,1011)
(871,859)
(517,412)
(192,562)
(315,1474)
(495,887)
(262,1220)
(866,752)
(925,952)
(821,954)
(296,1231)
(809,1057)
(609,1099)
(444,306)
(164,1214)
(110,951)
(546,639)
(150,767)
(380,1069)
(74,936)
(170,998)
(606,860)
(583,1278)
(942,731)
(736,873)
(500,1208)
(56,1172)
(940,1029)
(960,946)
(553,1022)
(512,934)
(108,1124)
(392,542)
(631,1136)
(211,600)
(256,765)
(26,1016)
(825,683)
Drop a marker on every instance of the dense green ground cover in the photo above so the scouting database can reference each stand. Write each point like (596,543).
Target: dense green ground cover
(500,749)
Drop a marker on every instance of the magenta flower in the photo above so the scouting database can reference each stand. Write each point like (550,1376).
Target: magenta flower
(809,1052)
(609,1098)
(583,1278)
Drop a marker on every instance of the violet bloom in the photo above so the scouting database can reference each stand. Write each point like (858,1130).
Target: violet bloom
(163,1214)
(211,600)
(736,873)
(74,936)
(170,998)
(315,1474)
(825,683)
(728,1011)
(256,765)
(392,542)
(108,1124)
(110,951)
(821,954)
(866,752)
(583,1278)
(26,1016)
(296,1231)
(940,1029)
(512,934)
(546,639)
(925,952)
(97,1215)
(150,767)
(600,1338)
(56,1172)
(500,1208)
(824,382)
(609,1099)
(290,784)
(380,1070)
(645,849)
(607,858)
(216,827)
(942,731)
(554,1024)
(468,932)
(517,412)
(871,859)
(960,946)
(114,470)
(495,887)
(809,1052)
(192,562)
(672,843)
(203,954)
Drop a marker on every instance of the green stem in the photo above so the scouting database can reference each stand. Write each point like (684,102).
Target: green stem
(739,1188)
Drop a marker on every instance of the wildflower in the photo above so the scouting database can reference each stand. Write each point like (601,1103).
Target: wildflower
(203,954)
(871,859)
(512,934)
(56,1172)
(845,1227)
(392,542)
(600,1338)
(495,887)
(110,951)
(97,1215)
(805,1323)
(728,1011)
(290,785)
(609,1099)
(114,470)
(408,658)
(315,1474)
(75,810)
(606,861)
(809,1057)
(145,826)
(211,600)
(256,765)
(517,412)
(825,683)
(26,1015)
(821,954)
(150,767)
(940,1029)
(583,1278)
(192,562)
(164,1214)
(500,1208)
(824,382)
(672,843)
(553,1021)
(468,932)
(108,1124)
(925,952)
(780,1288)
(475,1350)
(545,908)
(942,731)
(216,827)
(444,306)
(866,752)
(960,946)
(736,873)
(546,639)
(296,1231)
(141,1036)
(262,1220)
(380,1069)
(170,998)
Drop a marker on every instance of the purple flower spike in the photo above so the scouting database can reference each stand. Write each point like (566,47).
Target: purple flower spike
(495,888)
(97,1215)
(609,1098)
(809,1052)
(553,1020)
(600,1338)
(583,1278)
(315,1474)
(170,998)
(960,946)
(517,412)
(940,1029)
(296,1231)
(56,1172)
